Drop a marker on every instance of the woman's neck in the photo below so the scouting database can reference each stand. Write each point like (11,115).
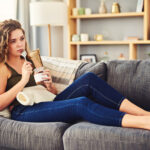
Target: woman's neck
(14,60)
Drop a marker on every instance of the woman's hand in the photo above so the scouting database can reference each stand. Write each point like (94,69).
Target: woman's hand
(26,71)
(48,82)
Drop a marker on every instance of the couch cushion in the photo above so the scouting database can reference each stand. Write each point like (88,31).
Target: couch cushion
(99,69)
(88,136)
(62,70)
(31,136)
(132,79)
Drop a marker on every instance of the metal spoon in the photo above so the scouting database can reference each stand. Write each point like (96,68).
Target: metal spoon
(24,54)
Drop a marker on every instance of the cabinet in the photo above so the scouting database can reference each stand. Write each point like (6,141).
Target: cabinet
(72,29)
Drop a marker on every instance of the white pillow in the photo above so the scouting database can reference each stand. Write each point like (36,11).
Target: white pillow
(5,113)
(34,94)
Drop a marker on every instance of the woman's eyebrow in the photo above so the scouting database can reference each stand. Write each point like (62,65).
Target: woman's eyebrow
(17,37)
(12,39)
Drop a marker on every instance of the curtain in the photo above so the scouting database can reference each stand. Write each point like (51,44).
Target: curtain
(24,18)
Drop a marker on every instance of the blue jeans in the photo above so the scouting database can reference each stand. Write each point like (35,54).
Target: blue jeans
(88,98)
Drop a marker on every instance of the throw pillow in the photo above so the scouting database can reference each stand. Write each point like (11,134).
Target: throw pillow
(34,94)
(63,70)
(5,113)
(99,68)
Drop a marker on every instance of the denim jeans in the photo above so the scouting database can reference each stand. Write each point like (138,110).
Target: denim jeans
(88,98)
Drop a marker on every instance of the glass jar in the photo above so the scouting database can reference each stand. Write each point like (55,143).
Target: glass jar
(39,76)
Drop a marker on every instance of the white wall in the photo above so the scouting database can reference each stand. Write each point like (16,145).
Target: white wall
(58,39)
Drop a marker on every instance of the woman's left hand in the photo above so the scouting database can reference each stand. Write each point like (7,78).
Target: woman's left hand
(48,81)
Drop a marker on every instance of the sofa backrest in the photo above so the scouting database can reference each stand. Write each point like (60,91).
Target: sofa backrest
(99,69)
(132,79)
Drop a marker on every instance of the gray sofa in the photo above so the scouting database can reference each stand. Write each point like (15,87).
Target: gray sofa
(131,78)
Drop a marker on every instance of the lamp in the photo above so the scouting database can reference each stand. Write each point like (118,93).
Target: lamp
(48,13)
(8,9)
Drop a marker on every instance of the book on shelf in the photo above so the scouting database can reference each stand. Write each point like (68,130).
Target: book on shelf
(140,6)
(131,38)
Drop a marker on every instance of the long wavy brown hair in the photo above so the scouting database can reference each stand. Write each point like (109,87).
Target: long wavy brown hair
(6,27)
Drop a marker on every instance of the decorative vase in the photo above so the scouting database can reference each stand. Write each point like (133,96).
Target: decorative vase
(102,8)
(115,8)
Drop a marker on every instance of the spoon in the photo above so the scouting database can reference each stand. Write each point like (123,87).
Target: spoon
(24,54)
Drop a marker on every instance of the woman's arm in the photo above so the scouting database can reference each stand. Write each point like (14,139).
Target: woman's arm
(48,83)
(6,98)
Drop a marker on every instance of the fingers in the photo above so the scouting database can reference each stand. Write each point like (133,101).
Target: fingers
(48,84)
(47,70)
(47,73)
(28,66)
(27,63)
(47,78)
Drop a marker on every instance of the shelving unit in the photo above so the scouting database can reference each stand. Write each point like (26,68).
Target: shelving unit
(72,26)
(104,42)
(108,15)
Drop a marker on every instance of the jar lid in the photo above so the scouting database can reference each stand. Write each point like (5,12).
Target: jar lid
(40,69)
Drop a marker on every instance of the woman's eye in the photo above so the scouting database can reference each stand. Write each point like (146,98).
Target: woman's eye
(22,38)
(12,41)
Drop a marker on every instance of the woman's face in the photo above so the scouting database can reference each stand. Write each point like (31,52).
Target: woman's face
(16,44)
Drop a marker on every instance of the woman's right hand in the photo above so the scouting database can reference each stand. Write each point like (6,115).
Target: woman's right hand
(26,71)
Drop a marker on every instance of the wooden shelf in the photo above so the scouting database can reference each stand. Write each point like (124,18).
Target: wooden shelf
(72,29)
(109,15)
(110,42)
(141,42)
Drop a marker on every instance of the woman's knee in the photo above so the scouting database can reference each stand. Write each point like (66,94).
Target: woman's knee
(84,101)
(89,75)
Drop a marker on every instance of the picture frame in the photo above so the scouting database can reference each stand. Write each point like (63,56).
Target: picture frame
(90,58)
(140,6)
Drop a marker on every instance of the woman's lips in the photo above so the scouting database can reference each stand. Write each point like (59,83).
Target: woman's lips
(20,50)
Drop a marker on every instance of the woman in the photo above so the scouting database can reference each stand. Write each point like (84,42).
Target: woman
(88,98)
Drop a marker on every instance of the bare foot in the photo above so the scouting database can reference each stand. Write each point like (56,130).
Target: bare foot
(132,109)
(131,121)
